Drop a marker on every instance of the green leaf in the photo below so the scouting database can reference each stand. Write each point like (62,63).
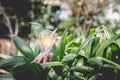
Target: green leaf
(81,61)
(95,45)
(62,45)
(114,47)
(69,38)
(109,62)
(53,75)
(108,53)
(36,28)
(82,36)
(88,48)
(29,70)
(82,69)
(111,66)
(36,49)
(51,64)
(106,44)
(87,40)
(6,75)
(91,31)
(108,31)
(69,57)
(94,77)
(118,42)
(8,64)
(76,78)
(95,61)
(5,56)
(23,47)
(99,61)
(35,67)
(72,44)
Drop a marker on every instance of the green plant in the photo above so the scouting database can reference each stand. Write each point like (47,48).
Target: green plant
(74,58)
(90,58)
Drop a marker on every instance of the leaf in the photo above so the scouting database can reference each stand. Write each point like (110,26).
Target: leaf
(81,61)
(62,45)
(91,31)
(76,78)
(106,44)
(36,28)
(95,45)
(118,42)
(82,36)
(82,69)
(29,70)
(69,57)
(72,43)
(108,31)
(69,38)
(53,75)
(108,53)
(87,40)
(35,67)
(114,47)
(6,75)
(36,48)
(88,48)
(5,56)
(99,61)
(23,47)
(111,66)
(95,61)
(59,70)
(51,64)
(109,62)
(94,77)
(8,64)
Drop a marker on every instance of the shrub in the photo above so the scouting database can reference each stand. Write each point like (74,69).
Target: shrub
(92,58)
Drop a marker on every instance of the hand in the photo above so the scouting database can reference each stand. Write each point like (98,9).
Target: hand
(44,57)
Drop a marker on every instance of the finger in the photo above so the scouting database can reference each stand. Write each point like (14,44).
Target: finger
(46,57)
(39,58)
(50,57)
(35,60)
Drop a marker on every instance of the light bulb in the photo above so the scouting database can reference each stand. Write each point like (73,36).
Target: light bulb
(47,40)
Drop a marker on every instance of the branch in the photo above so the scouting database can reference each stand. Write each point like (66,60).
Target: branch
(16,27)
(6,20)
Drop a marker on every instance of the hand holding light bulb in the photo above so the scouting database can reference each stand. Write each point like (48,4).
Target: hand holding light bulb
(47,40)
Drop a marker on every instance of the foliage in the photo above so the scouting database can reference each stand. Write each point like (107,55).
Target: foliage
(94,58)
(85,14)
(15,18)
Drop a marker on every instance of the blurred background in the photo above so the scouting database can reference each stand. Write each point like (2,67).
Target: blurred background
(76,15)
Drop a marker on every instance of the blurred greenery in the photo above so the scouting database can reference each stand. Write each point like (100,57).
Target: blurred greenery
(72,14)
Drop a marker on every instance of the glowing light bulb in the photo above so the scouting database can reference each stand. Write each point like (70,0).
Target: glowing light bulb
(47,40)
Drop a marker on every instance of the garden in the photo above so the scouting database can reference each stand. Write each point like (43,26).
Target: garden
(83,37)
